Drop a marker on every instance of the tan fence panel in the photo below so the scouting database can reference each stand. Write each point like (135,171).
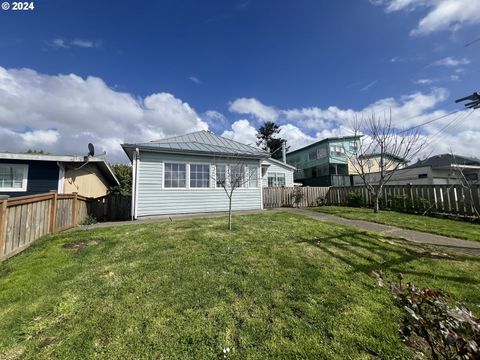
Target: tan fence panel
(454,200)
(275,197)
(26,219)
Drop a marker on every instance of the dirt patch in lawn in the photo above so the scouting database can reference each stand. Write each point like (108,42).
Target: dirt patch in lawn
(81,245)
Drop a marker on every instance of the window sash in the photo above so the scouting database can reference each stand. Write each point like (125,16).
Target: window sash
(175,175)
(237,176)
(199,175)
(13,177)
(276,179)
(253,177)
(220,175)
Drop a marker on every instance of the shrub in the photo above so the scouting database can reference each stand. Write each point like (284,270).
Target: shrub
(354,199)
(89,220)
(297,196)
(447,330)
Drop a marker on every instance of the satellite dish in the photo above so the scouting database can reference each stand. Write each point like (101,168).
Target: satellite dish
(91,149)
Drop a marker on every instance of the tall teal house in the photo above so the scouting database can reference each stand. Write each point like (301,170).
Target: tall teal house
(324,163)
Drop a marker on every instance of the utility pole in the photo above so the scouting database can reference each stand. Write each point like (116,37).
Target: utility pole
(474,101)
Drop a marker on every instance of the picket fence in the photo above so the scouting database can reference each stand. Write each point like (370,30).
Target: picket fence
(274,197)
(454,200)
(27,218)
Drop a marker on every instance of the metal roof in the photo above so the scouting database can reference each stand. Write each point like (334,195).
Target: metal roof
(202,142)
(443,160)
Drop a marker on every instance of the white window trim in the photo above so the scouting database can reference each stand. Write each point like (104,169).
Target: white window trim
(276,173)
(187,175)
(209,176)
(24,180)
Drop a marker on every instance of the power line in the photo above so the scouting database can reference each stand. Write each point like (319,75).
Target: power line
(429,121)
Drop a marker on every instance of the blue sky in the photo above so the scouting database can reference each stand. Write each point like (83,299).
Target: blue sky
(114,71)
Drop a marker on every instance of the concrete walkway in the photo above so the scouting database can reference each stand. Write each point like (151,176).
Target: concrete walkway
(464,246)
(419,237)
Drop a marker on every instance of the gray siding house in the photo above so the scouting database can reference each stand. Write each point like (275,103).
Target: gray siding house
(179,174)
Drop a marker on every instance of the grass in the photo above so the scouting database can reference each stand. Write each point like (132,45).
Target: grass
(278,286)
(446,227)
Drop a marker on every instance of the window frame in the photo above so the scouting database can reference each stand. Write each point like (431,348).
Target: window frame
(24,179)
(187,180)
(190,176)
(275,173)
(257,180)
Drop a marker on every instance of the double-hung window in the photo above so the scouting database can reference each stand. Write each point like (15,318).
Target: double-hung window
(252,177)
(13,177)
(220,176)
(237,176)
(175,175)
(199,176)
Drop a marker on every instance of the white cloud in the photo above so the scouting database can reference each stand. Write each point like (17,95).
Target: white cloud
(63,113)
(194,79)
(254,107)
(82,43)
(242,131)
(86,43)
(451,62)
(369,85)
(442,14)
(424,81)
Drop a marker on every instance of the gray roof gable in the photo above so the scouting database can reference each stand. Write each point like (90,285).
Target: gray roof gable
(204,142)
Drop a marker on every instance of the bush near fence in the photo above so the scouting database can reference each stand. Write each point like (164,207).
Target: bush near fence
(450,200)
(274,197)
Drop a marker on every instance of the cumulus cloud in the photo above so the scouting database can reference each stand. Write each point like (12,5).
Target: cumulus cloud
(442,14)
(254,107)
(63,113)
(304,126)
(242,131)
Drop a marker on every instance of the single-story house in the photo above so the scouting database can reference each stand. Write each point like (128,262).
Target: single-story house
(185,174)
(276,173)
(33,173)
(443,169)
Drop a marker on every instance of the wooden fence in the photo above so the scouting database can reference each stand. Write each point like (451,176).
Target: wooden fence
(25,219)
(111,208)
(453,200)
(274,197)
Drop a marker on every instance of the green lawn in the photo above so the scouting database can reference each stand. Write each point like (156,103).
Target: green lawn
(446,227)
(278,286)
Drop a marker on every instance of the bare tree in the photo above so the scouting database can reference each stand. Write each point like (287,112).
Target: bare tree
(392,147)
(233,175)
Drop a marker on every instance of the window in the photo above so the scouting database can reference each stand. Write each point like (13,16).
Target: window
(13,177)
(252,177)
(199,176)
(220,177)
(237,175)
(175,175)
(321,153)
(312,155)
(353,146)
(337,150)
(276,179)
(422,176)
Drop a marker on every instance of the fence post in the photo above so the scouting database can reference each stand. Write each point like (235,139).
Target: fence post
(3,222)
(53,212)
(74,208)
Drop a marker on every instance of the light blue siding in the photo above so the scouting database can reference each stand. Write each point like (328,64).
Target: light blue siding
(274,168)
(153,199)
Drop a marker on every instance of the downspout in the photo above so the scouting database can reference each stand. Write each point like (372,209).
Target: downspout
(135,161)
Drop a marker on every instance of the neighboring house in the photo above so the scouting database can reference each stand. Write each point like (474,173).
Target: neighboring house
(444,169)
(30,174)
(179,174)
(324,163)
(371,163)
(276,173)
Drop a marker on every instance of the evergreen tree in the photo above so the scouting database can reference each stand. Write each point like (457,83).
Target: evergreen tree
(267,139)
